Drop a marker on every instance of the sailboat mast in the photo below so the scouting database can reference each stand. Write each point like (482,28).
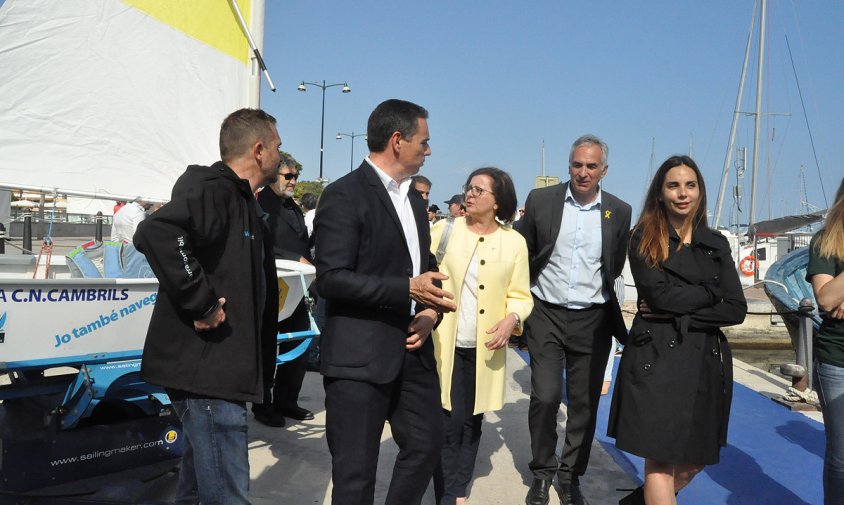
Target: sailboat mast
(804,199)
(651,164)
(255,37)
(736,114)
(257,26)
(757,124)
(543,158)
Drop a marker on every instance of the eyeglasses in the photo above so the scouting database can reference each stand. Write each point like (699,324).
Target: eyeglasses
(289,176)
(475,191)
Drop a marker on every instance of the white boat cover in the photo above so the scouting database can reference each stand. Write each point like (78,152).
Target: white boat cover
(109,96)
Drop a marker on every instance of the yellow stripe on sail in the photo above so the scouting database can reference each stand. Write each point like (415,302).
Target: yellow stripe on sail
(212,22)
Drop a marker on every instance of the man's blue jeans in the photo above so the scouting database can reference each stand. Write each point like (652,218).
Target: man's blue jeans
(215,464)
(829,381)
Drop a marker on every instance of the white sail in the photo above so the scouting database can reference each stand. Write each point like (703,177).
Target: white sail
(109,96)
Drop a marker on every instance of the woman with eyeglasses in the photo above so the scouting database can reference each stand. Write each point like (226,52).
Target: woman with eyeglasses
(826,273)
(674,384)
(486,263)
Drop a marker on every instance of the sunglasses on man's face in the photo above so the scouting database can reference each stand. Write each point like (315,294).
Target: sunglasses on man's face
(289,176)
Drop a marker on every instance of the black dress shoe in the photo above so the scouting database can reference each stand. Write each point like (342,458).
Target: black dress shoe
(297,413)
(269,418)
(570,495)
(538,492)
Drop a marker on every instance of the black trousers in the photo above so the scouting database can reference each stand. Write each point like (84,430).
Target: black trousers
(355,415)
(579,342)
(282,388)
(462,431)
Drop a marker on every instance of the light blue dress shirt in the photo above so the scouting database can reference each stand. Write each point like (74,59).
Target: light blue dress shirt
(573,277)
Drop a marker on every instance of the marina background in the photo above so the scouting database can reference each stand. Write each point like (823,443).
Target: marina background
(500,77)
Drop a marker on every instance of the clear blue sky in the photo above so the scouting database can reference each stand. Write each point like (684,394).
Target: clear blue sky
(499,77)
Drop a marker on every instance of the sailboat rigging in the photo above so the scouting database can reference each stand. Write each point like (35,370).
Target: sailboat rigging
(753,254)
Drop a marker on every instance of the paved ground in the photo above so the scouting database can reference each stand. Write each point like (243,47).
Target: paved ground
(291,465)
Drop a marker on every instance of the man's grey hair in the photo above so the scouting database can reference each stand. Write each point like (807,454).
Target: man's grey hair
(286,160)
(589,140)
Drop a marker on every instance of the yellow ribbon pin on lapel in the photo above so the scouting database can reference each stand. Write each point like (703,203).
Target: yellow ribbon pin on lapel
(607,214)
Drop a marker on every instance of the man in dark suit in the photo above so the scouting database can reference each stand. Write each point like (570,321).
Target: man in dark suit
(290,242)
(379,280)
(577,237)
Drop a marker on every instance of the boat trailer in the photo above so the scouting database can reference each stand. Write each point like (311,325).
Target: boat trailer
(73,407)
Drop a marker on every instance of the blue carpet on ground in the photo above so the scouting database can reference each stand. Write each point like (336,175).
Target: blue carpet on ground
(774,456)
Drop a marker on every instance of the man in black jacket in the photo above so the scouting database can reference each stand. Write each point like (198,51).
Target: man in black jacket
(215,306)
(290,242)
(379,280)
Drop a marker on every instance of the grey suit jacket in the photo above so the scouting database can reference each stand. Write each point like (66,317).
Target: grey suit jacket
(541,225)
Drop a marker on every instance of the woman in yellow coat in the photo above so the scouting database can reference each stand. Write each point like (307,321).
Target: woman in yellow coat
(486,262)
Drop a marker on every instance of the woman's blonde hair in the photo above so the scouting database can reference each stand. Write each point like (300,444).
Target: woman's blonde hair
(830,242)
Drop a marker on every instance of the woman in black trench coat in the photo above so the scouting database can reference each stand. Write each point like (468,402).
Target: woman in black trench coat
(674,385)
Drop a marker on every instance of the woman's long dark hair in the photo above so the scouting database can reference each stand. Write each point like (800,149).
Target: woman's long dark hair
(653,221)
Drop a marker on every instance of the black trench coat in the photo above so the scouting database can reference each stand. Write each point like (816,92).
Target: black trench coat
(674,384)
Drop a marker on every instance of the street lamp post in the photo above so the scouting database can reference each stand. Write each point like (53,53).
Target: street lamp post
(322,86)
(352,136)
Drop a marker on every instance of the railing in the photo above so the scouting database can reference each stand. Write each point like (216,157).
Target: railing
(18,215)
(25,230)
(801,372)
(795,240)
(793,299)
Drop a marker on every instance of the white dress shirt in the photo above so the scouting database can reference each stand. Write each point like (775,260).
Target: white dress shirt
(467,322)
(398,195)
(309,221)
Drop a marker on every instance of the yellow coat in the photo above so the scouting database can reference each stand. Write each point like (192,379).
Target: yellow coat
(503,273)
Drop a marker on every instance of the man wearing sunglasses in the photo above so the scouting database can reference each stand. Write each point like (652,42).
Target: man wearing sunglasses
(290,242)
(455,205)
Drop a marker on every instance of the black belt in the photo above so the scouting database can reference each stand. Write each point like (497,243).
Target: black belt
(594,306)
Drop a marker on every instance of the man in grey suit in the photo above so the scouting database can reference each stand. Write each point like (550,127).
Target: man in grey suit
(577,237)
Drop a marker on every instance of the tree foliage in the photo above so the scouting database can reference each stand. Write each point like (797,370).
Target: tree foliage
(303,187)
